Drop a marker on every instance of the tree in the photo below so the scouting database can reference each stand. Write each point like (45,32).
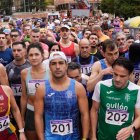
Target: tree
(6,6)
(124,8)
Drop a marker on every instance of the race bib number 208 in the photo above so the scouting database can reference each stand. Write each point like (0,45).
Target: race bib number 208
(61,127)
(116,117)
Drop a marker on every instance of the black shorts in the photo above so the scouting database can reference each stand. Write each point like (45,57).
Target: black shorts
(29,120)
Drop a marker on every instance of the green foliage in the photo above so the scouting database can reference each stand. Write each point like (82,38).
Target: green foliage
(124,8)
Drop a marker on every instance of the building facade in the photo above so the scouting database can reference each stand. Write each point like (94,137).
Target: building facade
(72,4)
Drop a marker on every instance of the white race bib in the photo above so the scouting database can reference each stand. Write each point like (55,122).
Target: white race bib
(16,89)
(69,59)
(116,117)
(4,123)
(137,75)
(86,69)
(61,127)
(33,85)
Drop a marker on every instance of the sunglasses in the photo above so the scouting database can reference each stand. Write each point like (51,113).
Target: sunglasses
(64,30)
(14,35)
(119,39)
(35,36)
(2,37)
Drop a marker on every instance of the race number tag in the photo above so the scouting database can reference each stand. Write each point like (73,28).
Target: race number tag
(61,127)
(116,117)
(86,69)
(16,89)
(69,59)
(4,123)
(137,75)
(33,85)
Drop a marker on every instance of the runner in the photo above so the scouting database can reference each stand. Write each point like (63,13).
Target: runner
(14,69)
(85,59)
(116,105)
(60,100)
(30,79)
(7,130)
(70,49)
(102,70)
(3,76)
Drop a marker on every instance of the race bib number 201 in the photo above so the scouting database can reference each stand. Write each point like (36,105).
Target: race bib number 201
(61,127)
(116,117)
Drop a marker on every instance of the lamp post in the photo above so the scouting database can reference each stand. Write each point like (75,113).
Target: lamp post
(24,3)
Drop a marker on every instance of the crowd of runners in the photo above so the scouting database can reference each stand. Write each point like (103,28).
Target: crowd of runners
(69,79)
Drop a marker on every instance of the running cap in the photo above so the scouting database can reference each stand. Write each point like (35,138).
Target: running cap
(7,31)
(57,55)
(65,26)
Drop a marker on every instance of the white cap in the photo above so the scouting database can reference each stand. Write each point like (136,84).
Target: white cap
(57,55)
(57,21)
(65,26)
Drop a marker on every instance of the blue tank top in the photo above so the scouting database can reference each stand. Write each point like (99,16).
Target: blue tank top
(104,66)
(86,69)
(32,84)
(61,112)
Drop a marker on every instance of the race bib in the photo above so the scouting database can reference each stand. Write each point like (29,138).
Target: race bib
(33,85)
(86,69)
(137,75)
(68,59)
(16,89)
(61,127)
(4,123)
(116,117)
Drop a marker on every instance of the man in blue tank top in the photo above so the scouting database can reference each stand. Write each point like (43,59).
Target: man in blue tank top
(102,70)
(85,59)
(60,101)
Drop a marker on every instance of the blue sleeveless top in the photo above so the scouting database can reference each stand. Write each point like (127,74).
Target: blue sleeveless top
(61,113)
(104,66)
(32,84)
(86,69)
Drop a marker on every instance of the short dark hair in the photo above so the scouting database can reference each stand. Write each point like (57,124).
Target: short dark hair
(124,62)
(19,42)
(53,44)
(35,30)
(35,45)
(74,66)
(93,34)
(15,30)
(86,29)
(129,37)
(108,44)
(2,33)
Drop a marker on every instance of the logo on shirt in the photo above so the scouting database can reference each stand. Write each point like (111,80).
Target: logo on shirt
(51,94)
(109,92)
(127,97)
(69,94)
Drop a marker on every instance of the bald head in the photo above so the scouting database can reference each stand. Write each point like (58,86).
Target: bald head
(84,41)
(85,48)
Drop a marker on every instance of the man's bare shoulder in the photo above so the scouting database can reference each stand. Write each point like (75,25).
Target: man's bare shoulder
(96,65)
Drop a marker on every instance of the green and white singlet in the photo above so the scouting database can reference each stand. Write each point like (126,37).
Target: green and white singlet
(117,107)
